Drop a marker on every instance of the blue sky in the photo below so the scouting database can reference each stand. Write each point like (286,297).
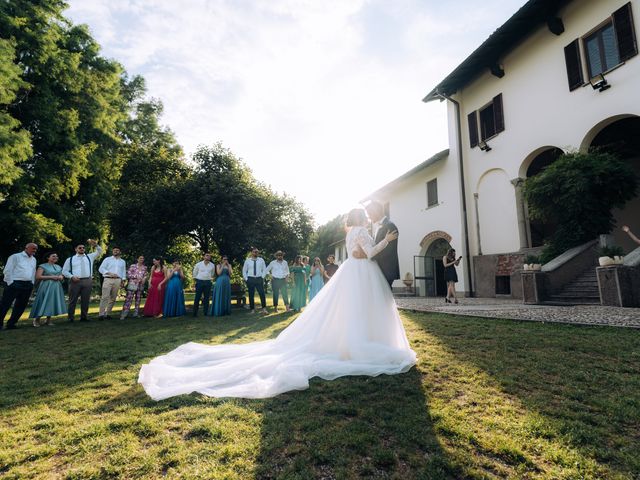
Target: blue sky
(321,98)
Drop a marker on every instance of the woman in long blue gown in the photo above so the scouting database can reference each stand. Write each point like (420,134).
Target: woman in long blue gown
(174,294)
(49,301)
(221,304)
(317,278)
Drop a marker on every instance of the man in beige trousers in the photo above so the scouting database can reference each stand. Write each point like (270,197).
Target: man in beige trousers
(114,272)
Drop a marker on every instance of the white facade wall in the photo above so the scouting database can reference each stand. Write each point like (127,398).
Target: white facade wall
(408,210)
(539,112)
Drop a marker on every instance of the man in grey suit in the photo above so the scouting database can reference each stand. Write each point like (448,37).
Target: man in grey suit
(387,259)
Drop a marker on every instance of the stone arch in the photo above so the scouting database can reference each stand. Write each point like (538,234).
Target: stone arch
(430,237)
(599,127)
(530,159)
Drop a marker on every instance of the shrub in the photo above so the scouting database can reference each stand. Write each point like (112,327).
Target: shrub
(577,192)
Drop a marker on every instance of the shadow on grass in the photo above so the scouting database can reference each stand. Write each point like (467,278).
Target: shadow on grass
(583,381)
(39,364)
(352,427)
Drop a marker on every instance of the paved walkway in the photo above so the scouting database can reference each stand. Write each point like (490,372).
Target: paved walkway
(516,310)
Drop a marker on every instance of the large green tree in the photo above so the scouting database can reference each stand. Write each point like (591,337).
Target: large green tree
(70,101)
(227,210)
(325,236)
(148,202)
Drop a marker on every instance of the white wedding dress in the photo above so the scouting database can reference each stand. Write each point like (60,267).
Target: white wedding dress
(351,327)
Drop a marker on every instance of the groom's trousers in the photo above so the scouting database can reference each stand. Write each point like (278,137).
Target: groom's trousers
(253,284)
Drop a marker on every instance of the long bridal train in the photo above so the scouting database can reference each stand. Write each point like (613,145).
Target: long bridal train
(352,327)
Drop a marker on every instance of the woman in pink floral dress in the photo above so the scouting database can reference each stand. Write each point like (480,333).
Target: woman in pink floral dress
(136,275)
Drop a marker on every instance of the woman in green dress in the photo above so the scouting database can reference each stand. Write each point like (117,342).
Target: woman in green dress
(299,294)
(49,301)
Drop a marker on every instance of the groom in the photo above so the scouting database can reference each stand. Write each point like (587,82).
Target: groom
(387,259)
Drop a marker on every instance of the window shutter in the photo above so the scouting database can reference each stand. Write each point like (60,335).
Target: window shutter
(623,24)
(498,114)
(432,192)
(473,129)
(574,65)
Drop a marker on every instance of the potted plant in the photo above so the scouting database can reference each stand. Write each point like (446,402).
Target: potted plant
(610,256)
(532,262)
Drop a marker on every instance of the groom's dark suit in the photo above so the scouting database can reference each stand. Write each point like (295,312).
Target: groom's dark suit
(388,258)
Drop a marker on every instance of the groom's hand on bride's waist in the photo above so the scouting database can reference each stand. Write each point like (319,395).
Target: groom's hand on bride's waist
(358,253)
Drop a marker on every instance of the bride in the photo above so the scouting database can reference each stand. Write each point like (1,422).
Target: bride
(352,327)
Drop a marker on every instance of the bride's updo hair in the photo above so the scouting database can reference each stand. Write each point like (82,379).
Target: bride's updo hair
(356,217)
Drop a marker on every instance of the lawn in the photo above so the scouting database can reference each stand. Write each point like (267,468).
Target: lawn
(488,399)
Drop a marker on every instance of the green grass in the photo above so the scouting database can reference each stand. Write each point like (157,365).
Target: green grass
(488,399)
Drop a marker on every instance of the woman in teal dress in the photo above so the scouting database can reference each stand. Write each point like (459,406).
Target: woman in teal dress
(174,294)
(221,304)
(49,301)
(317,278)
(299,294)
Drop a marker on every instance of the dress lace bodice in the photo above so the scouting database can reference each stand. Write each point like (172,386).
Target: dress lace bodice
(359,237)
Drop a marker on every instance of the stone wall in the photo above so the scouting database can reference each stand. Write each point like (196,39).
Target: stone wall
(488,267)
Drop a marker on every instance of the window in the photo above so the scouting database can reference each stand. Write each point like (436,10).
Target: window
(503,285)
(609,45)
(491,121)
(601,50)
(432,192)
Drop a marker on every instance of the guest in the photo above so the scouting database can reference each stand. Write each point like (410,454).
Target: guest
(450,274)
(203,275)
(136,276)
(253,272)
(330,268)
(307,269)
(155,294)
(221,304)
(317,275)
(173,305)
(49,301)
(79,269)
(299,294)
(625,228)
(279,270)
(114,272)
(19,275)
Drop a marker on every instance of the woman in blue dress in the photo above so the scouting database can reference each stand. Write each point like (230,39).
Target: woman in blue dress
(49,301)
(317,278)
(222,291)
(174,295)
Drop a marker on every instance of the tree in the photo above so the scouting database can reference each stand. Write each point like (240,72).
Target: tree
(147,201)
(578,193)
(230,211)
(326,235)
(15,142)
(70,102)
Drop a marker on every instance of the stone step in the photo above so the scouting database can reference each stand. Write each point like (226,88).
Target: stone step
(575,300)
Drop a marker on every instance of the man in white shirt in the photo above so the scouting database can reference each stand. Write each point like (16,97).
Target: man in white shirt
(114,272)
(79,269)
(253,272)
(203,275)
(279,271)
(19,275)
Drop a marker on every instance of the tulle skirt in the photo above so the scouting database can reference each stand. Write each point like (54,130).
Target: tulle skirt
(351,328)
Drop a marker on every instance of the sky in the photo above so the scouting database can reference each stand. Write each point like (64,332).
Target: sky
(322,99)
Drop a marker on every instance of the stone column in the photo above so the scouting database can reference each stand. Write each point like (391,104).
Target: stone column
(520,211)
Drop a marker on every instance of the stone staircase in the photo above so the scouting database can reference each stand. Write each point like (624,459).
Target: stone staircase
(582,290)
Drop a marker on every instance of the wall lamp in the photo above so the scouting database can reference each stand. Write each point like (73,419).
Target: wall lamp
(484,146)
(599,82)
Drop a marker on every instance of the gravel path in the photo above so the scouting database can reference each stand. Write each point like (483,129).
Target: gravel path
(516,310)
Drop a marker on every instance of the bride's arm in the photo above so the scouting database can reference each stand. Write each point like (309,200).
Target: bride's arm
(365,242)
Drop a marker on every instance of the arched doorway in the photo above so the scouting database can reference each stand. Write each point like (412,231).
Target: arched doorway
(539,232)
(622,138)
(429,269)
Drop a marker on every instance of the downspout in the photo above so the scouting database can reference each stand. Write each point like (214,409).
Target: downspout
(462,188)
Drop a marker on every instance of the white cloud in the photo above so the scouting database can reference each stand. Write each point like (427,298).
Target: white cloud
(321,99)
